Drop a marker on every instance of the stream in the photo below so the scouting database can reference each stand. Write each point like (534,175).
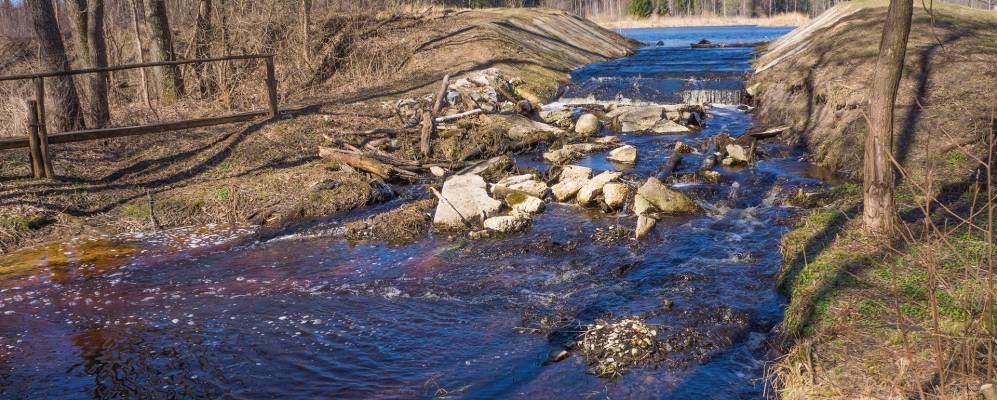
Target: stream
(209,313)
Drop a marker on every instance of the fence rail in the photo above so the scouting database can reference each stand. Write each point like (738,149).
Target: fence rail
(38,138)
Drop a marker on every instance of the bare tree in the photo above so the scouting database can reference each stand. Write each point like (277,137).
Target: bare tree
(65,105)
(161,49)
(879,205)
(202,46)
(91,47)
(141,56)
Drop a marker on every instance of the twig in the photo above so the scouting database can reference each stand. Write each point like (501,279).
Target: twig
(457,116)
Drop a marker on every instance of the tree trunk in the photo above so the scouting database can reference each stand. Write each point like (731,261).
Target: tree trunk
(98,59)
(161,49)
(65,103)
(141,57)
(306,21)
(879,206)
(78,14)
(202,47)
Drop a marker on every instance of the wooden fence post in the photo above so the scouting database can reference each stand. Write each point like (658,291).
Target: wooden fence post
(42,130)
(271,87)
(37,169)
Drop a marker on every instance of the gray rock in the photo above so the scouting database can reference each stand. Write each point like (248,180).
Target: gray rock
(561,118)
(669,126)
(626,154)
(587,124)
(571,151)
(665,199)
(526,183)
(524,204)
(437,171)
(594,186)
(507,223)
(738,153)
(465,200)
(615,194)
(573,177)
(644,225)
(608,139)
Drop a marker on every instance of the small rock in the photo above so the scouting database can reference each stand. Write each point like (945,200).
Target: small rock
(711,176)
(727,162)
(625,154)
(615,194)
(570,151)
(573,177)
(644,225)
(669,126)
(437,171)
(709,162)
(507,223)
(609,139)
(526,183)
(465,200)
(524,204)
(738,153)
(667,304)
(557,356)
(682,148)
(594,186)
(524,107)
(587,124)
(561,118)
(665,199)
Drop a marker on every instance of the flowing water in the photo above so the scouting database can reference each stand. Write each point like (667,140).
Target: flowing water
(209,312)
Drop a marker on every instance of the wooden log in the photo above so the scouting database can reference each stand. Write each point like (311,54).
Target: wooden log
(457,116)
(666,169)
(35,154)
(131,66)
(768,133)
(106,133)
(441,95)
(426,141)
(42,130)
(358,161)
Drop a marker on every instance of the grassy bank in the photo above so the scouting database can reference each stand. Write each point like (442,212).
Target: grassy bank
(787,19)
(909,318)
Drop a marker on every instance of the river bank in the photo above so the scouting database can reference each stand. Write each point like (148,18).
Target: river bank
(787,19)
(229,175)
(842,336)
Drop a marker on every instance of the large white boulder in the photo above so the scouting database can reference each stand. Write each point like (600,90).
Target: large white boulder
(465,200)
(594,186)
(526,183)
(573,177)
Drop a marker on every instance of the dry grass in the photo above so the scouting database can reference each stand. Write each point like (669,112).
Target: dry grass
(786,19)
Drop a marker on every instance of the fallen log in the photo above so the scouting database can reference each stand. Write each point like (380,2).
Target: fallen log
(426,140)
(441,94)
(768,133)
(457,116)
(358,161)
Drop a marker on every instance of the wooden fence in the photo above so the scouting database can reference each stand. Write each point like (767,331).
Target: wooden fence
(38,138)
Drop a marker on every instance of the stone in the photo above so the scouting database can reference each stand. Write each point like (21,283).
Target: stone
(561,118)
(738,153)
(727,162)
(557,356)
(587,124)
(438,172)
(644,225)
(507,223)
(665,199)
(594,186)
(571,151)
(642,206)
(409,111)
(615,194)
(636,118)
(573,177)
(609,139)
(626,154)
(525,204)
(669,126)
(464,200)
(709,162)
(711,176)
(682,148)
(495,166)
(526,183)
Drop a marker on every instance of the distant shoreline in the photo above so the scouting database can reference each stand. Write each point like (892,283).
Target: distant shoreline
(790,19)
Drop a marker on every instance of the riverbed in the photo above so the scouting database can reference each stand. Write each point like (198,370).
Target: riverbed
(213,312)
